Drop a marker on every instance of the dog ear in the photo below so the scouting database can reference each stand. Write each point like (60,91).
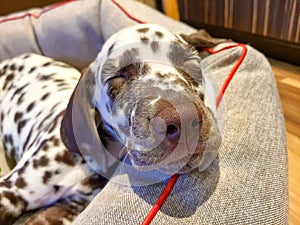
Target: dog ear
(78,129)
(202,39)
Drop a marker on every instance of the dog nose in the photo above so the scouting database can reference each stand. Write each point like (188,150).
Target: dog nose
(175,122)
(171,119)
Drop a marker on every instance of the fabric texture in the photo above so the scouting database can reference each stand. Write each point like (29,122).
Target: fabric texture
(246,184)
(75,31)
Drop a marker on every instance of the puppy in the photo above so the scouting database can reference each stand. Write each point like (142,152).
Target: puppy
(145,104)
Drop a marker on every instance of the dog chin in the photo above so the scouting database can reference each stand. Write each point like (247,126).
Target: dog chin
(181,166)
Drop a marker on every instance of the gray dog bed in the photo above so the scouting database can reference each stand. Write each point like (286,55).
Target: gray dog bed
(246,184)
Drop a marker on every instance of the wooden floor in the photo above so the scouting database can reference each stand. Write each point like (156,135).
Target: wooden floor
(288,81)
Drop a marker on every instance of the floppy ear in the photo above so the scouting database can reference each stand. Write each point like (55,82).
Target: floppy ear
(202,39)
(78,128)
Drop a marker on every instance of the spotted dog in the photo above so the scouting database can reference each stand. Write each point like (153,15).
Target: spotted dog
(143,98)
(34,94)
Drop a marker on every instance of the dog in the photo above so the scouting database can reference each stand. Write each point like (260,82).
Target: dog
(141,104)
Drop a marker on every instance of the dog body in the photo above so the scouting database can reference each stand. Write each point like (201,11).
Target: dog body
(147,90)
(35,91)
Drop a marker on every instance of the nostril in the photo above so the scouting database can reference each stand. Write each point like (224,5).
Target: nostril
(173,132)
(196,124)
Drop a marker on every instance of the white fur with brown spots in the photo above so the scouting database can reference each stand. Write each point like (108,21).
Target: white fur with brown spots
(35,91)
(143,97)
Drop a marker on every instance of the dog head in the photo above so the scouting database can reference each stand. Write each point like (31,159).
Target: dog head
(148,86)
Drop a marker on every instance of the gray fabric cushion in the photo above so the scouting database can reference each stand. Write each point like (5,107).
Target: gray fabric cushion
(74,32)
(247,183)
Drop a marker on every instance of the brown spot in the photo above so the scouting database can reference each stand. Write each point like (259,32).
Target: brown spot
(30,107)
(55,124)
(159,34)
(18,91)
(45,96)
(20,99)
(13,67)
(2,116)
(27,139)
(32,69)
(129,57)
(18,116)
(159,74)
(154,46)
(57,215)
(110,49)
(41,162)
(55,141)
(94,181)
(46,64)
(6,183)
(20,183)
(21,125)
(143,30)
(21,68)
(8,139)
(145,69)
(66,158)
(144,40)
(59,80)
(63,84)
(45,77)
(26,56)
(21,170)
(11,197)
(56,188)
(47,176)
(201,96)
(45,147)
(2,72)
(8,79)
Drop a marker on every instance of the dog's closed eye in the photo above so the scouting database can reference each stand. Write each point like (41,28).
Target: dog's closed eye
(123,74)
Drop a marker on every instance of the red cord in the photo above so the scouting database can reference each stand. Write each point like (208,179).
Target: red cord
(232,72)
(169,187)
(162,198)
(127,13)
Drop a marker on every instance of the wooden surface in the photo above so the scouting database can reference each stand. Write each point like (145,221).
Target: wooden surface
(11,6)
(171,8)
(288,82)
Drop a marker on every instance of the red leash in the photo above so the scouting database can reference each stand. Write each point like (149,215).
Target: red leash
(171,183)
(233,71)
(162,198)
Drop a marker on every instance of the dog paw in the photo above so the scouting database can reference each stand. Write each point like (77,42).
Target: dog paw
(11,207)
(60,214)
